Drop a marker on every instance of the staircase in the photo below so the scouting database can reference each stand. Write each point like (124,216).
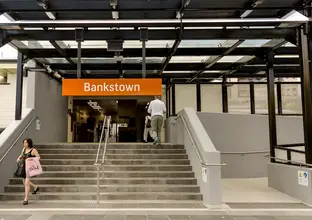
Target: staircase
(132,172)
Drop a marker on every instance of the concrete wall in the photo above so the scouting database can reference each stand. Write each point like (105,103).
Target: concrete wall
(243,140)
(284,178)
(44,101)
(7,100)
(193,136)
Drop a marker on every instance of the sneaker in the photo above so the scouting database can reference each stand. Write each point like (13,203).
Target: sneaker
(155,140)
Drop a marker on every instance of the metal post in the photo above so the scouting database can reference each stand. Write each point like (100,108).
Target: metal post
(305,48)
(143,59)
(173,98)
(98,184)
(279,98)
(271,104)
(79,60)
(252,98)
(19,87)
(225,104)
(167,101)
(198,97)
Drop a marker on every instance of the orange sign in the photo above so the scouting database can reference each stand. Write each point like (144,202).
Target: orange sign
(111,87)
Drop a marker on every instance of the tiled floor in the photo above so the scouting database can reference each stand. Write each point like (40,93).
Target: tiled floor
(147,217)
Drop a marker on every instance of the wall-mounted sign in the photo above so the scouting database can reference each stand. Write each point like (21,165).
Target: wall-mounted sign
(112,87)
(204,174)
(303,178)
(38,124)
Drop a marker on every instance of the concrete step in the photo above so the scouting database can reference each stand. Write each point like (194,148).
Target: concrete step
(112,151)
(121,174)
(108,188)
(109,146)
(107,181)
(118,168)
(115,156)
(104,196)
(44,161)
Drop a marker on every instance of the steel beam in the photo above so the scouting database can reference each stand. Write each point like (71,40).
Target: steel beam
(19,87)
(168,34)
(163,52)
(4,38)
(214,61)
(173,100)
(279,98)
(271,104)
(225,103)
(252,98)
(198,97)
(305,45)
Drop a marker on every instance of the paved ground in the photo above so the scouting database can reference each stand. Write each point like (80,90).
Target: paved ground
(146,217)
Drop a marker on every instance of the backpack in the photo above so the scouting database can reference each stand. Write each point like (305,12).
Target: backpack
(148,124)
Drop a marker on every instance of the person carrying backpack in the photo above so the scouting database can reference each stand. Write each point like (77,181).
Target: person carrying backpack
(147,127)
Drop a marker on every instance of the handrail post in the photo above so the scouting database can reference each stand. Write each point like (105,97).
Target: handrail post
(105,145)
(98,184)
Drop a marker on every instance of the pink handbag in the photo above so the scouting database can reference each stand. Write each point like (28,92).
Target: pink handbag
(33,167)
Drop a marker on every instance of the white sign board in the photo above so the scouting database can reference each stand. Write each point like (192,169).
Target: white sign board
(303,178)
(38,124)
(204,174)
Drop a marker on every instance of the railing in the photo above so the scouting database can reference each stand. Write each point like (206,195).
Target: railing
(97,164)
(12,145)
(198,153)
(289,151)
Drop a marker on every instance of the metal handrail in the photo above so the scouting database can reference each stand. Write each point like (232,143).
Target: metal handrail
(291,161)
(100,142)
(12,145)
(200,157)
(247,152)
(105,144)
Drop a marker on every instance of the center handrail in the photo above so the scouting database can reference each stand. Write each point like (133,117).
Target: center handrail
(100,142)
(105,144)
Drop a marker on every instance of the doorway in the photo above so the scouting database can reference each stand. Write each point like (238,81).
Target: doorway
(127,118)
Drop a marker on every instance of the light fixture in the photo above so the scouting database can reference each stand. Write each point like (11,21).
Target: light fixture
(50,15)
(1,77)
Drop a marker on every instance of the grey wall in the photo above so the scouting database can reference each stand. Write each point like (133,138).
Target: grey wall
(243,140)
(193,136)
(44,100)
(284,178)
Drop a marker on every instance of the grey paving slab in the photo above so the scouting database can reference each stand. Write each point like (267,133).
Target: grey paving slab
(115,217)
(93,217)
(162,217)
(205,217)
(244,218)
(66,217)
(136,217)
(14,217)
(265,217)
(179,217)
(268,206)
(292,217)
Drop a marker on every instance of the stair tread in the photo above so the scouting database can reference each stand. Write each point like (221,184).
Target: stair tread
(104,193)
(113,178)
(131,165)
(115,185)
(122,171)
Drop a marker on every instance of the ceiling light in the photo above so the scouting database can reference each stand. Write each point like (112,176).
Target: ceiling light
(1,77)
(50,15)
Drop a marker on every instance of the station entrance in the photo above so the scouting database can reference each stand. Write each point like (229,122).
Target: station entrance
(127,118)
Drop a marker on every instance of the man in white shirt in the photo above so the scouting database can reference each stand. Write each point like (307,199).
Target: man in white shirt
(156,108)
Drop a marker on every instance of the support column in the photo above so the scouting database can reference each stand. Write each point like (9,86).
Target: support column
(70,119)
(198,97)
(252,98)
(279,98)
(173,99)
(305,57)
(271,103)
(225,104)
(143,38)
(79,39)
(19,87)
(167,101)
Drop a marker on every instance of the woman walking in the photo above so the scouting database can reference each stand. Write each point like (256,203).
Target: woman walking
(28,152)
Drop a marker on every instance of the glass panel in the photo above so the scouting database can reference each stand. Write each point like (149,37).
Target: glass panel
(204,43)
(253,43)
(8,52)
(261,99)
(211,98)
(188,59)
(291,99)
(139,60)
(239,98)
(38,44)
(84,44)
(149,44)
(230,59)
(56,60)
(95,60)
(185,71)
